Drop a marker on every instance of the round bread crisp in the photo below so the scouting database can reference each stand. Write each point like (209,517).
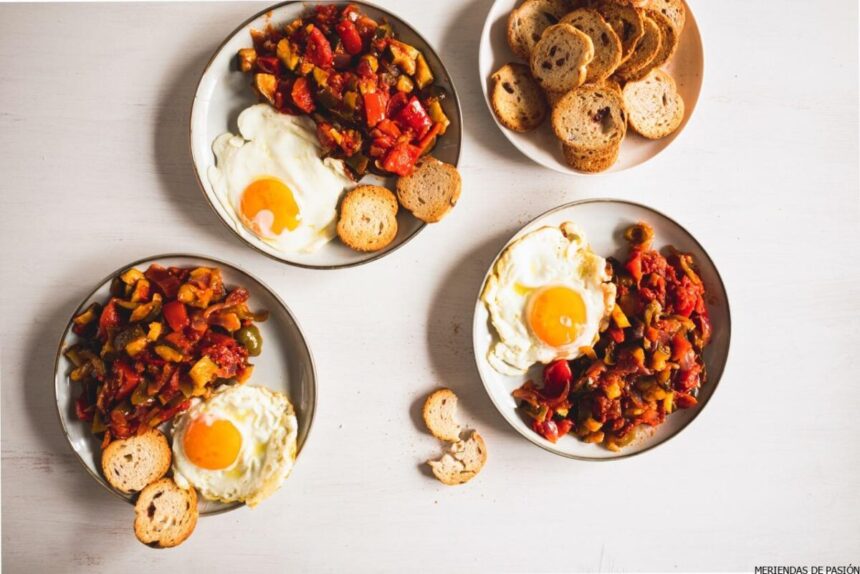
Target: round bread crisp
(560,58)
(439,412)
(431,191)
(131,464)
(591,161)
(626,21)
(654,105)
(669,38)
(591,118)
(368,218)
(516,98)
(607,46)
(527,23)
(164,514)
(639,63)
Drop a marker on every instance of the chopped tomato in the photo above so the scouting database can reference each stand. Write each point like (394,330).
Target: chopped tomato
(301,95)
(374,108)
(175,314)
(547,429)
(108,320)
(556,376)
(414,116)
(268,64)
(634,266)
(401,159)
(349,36)
(126,379)
(564,426)
(396,104)
(163,279)
(318,49)
(389,128)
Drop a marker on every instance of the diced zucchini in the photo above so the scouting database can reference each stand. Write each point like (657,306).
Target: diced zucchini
(168,353)
(403,56)
(286,55)
(320,76)
(405,85)
(136,346)
(266,84)
(423,75)
(131,276)
(247,57)
(437,114)
(620,318)
(154,332)
(203,372)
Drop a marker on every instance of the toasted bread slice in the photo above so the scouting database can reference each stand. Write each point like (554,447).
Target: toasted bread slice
(131,464)
(516,98)
(368,218)
(439,414)
(431,191)
(560,57)
(669,38)
(527,22)
(164,514)
(655,107)
(607,46)
(591,161)
(591,118)
(626,21)
(639,63)
(674,10)
(463,461)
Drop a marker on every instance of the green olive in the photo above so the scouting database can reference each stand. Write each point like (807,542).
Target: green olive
(250,338)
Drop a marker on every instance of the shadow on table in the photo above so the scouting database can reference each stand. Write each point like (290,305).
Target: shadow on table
(172,151)
(459,50)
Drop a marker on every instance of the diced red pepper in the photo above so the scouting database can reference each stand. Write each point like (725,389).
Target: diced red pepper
(374,107)
(680,346)
(414,116)
(634,266)
(396,104)
(616,334)
(176,315)
(389,128)
(83,409)
(401,159)
(163,279)
(429,137)
(126,379)
(547,429)
(564,426)
(556,376)
(349,36)
(301,94)
(108,320)
(268,64)
(318,49)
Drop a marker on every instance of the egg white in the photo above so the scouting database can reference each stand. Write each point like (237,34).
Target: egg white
(269,429)
(272,144)
(546,257)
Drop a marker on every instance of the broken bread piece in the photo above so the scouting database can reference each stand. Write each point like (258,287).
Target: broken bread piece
(463,461)
(439,413)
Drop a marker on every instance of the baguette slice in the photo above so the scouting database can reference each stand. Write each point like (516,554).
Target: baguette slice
(164,514)
(463,461)
(527,23)
(669,38)
(591,118)
(674,10)
(656,108)
(516,98)
(132,463)
(431,191)
(439,414)
(607,46)
(626,21)
(560,58)
(639,63)
(591,161)
(368,218)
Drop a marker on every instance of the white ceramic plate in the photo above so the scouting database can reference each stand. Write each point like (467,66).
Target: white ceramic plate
(224,91)
(284,365)
(604,222)
(540,145)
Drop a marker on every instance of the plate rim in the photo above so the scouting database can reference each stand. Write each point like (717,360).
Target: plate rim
(217,51)
(715,384)
(485,32)
(67,329)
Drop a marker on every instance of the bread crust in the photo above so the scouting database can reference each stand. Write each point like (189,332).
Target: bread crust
(130,464)
(625,20)
(516,98)
(641,61)
(368,218)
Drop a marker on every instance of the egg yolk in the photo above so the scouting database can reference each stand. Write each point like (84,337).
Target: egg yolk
(556,315)
(268,206)
(212,445)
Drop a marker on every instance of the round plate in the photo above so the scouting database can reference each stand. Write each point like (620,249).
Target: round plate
(224,91)
(285,364)
(540,145)
(604,222)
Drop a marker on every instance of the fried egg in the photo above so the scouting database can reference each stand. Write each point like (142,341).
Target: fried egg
(548,296)
(273,183)
(239,445)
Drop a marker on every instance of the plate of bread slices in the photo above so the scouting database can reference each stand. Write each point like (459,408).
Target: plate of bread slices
(588,86)
(185,387)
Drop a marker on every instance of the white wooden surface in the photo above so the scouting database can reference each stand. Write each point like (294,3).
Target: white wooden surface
(94,102)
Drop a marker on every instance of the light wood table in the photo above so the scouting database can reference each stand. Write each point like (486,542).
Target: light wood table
(95,172)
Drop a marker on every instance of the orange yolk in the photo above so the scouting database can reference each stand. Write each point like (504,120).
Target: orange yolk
(556,315)
(269,206)
(212,446)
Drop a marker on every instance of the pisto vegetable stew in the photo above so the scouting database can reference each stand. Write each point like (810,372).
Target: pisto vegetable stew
(371,95)
(647,362)
(165,335)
